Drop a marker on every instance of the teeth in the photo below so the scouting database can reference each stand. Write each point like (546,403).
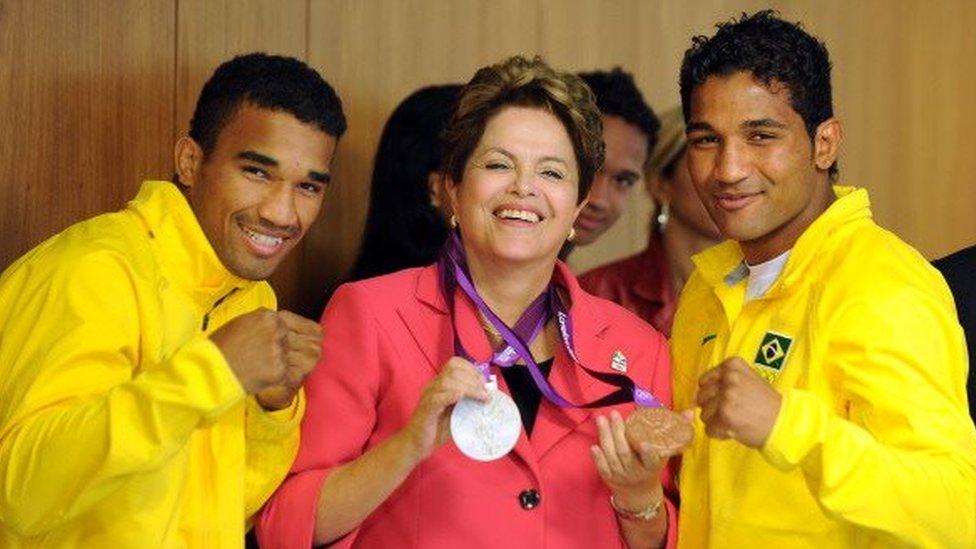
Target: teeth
(523,215)
(263,239)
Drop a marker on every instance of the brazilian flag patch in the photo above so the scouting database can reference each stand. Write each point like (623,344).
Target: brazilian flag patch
(773,351)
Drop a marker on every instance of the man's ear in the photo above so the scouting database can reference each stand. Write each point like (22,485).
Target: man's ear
(826,143)
(188,157)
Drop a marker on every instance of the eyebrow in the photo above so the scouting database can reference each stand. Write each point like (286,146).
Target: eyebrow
(698,127)
(629,174)
(500,150)
(763,123)
(748,124)
(319,177)
(265,160)
(262,159)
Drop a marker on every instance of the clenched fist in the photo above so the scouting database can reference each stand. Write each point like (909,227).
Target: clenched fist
(270,353)
(736,403)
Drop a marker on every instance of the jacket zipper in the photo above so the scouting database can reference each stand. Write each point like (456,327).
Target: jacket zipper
(206,316)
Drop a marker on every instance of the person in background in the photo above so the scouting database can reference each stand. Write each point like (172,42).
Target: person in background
(629,134)
(401,350)
(149,391)
(959,270)
(649,282)
(821,353)
(407,221)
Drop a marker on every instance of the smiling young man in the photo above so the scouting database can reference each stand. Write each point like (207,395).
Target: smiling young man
(149,391)
(629,134)
(822,352)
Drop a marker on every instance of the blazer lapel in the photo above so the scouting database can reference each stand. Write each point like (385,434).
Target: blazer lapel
(429,322)
(425,321)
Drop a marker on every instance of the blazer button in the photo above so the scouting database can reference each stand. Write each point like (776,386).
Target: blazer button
(529,499)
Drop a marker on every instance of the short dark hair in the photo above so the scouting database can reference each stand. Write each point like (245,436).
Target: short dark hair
(267,81)
(617,95)
(403,229)
(521,82)
(773,50)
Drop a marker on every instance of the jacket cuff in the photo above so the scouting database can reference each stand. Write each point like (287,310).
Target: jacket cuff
(277,424)
(288,519)
(798,429)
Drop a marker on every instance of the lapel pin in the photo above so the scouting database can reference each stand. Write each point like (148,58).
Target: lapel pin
(619,362)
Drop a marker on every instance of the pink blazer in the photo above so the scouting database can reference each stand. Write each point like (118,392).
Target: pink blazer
(385,339)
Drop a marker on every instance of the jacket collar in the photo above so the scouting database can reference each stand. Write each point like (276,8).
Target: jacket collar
(184,252)
(586,320)
(719,262)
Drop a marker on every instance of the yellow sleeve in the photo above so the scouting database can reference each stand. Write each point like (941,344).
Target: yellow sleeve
(895,451)
(80,411)
(271,445)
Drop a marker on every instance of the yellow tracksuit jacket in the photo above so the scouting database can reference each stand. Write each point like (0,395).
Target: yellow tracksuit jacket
(121,424)
(873,445)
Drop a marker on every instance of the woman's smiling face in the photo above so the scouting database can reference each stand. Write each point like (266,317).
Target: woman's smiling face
(518,197)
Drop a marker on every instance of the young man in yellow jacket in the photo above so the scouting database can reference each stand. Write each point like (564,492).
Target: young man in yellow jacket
(149,392)
(822,352)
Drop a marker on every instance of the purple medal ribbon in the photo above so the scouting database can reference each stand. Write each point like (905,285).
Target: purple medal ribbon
(533,320)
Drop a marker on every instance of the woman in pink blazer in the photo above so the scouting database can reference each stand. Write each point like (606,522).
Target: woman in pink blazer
(376,468)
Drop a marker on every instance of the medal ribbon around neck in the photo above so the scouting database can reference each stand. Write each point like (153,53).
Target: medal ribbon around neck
(454,274)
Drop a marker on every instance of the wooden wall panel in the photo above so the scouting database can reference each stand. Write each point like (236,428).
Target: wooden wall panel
(376,53)
(903,71)
(86,110)
(213,31)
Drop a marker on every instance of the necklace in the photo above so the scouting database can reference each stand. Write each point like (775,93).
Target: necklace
(494,336)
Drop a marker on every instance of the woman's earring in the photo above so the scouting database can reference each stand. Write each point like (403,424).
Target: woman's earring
(572,234)
(662,217)
(453,221)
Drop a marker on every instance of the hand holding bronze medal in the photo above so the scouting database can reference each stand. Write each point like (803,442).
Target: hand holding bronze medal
(546,306)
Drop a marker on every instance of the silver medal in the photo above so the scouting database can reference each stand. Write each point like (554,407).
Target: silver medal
(486,431)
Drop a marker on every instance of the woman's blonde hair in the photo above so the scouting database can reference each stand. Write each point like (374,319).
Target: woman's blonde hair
(518,81)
